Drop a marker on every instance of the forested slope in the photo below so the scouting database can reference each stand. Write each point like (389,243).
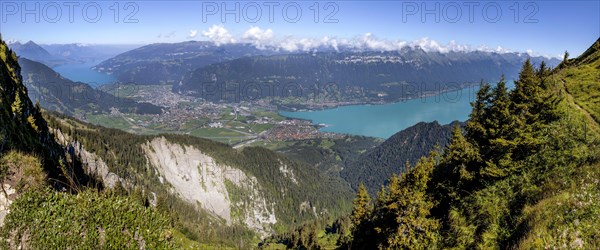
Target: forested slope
(56,93)
(375,166)
(522,174)
(525,157)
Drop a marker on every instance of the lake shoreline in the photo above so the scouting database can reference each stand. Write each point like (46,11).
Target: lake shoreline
(334,105)
(382,120)
(84,74)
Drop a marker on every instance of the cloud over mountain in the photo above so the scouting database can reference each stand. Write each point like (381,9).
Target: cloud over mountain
(218,34)
(192,34)
(268,39)
(258,36)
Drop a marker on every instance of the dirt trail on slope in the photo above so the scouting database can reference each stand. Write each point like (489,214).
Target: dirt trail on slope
(595,126)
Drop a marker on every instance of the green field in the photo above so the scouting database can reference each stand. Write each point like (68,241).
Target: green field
(109,121)
(130,90)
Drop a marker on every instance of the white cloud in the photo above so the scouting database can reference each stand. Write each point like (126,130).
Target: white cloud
(365,42)
(259,37)
(192,34)
(533,53)
(428,45)
(263,38)
(290,43)
(331,42)
(529,52)
(218,34)
(454,46)
(307,44)
(369,41)
(499,49)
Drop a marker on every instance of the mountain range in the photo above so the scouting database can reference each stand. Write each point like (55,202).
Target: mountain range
(57,93)
(166,63)
(54,55)
(33,51)
(390,75)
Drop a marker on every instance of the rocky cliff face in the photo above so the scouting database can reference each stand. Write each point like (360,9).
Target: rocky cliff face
(226,192)
(92,164)
(199,179)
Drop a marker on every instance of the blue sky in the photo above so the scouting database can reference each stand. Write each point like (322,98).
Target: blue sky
(544,27)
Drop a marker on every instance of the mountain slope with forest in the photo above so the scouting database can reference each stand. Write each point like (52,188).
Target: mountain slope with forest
(375,166)
(255,189)
(23,129)
(57,93)
(166,63)
(391,75)
(522,174)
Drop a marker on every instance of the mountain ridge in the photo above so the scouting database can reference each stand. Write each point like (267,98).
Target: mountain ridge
(166,62)
(375,166)
(57,93)
(369,76)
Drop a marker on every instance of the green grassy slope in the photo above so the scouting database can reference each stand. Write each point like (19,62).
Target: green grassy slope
(582,81)
(568,218)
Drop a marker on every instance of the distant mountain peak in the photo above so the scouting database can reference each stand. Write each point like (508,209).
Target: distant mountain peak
(31,50)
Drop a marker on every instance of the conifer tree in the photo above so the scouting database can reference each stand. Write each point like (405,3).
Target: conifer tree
(498,116)
(403,220)
(459,166)
(547,107)
(534,106)
(543,72)
(475,126)
(526,88)
(17,105)
(500,123)
(565,61)
(362,206)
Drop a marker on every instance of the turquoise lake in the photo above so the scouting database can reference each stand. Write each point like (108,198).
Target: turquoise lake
(385,120)
(84,73)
